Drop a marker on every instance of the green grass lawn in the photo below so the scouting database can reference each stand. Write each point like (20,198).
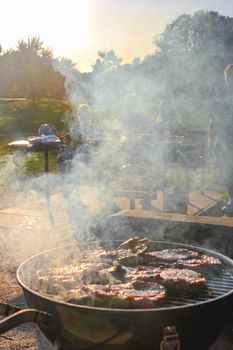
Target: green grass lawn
(19,118)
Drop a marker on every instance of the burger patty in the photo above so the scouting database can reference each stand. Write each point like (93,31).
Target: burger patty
(169,256)
(182,280)
(54,280)
(183,258)
(144,274)
(118,296)
(205,264)
(178,280)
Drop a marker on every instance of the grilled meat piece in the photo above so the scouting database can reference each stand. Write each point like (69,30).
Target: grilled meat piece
(118,296)
(131,276)
(130,260)
(182,280)
(123,257)
(108,256)
(79,295)
(129,253)
(169,256)
(203,263)
(118,272)
(136,244)
(55,280)
(131,243)
(144,274)
(182,258)
(147,295)
(104,255)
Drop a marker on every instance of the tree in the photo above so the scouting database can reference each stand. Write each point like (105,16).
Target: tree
(193,52)
(27,71)
(107,61)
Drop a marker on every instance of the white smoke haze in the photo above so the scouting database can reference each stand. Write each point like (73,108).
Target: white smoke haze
(127,155)
(10,166)
(122,151)
(114,158)
(26,232)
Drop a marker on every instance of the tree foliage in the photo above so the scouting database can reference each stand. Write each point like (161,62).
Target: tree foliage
(195,50)
(27,72)
(187,64)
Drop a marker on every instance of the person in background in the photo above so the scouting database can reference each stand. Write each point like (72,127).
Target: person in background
(169,133)
(133,121)
(47,129)
(80,130)
(221,137)
(71,161)
(167,123)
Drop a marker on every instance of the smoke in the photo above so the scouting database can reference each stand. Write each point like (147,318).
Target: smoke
(25,228)
(10,166)
(120,150)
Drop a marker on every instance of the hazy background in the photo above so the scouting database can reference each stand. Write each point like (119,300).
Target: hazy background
(77,29)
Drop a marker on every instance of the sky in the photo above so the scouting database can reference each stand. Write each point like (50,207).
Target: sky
(77,29)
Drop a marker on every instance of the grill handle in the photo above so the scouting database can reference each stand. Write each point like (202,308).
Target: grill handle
(15,316)
(170,340)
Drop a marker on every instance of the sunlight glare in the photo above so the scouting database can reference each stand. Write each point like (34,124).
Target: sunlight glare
(59,24)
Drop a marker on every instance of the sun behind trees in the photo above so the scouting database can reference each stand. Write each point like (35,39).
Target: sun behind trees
(27,71)
(187,64)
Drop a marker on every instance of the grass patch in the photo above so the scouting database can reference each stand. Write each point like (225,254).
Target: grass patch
(21,118)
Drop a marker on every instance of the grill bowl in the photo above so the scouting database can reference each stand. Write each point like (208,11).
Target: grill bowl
(199,320)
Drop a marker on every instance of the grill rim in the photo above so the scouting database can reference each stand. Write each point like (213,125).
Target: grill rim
(228,261)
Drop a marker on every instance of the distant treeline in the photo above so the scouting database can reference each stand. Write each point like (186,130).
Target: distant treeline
(187,66)
(27,71)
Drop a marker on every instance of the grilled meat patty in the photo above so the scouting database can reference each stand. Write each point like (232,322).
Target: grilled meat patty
(182,280)
(182,258)
(144,274)
(170,256)
(178,280)
(118,296)
(203,263)
(54,280)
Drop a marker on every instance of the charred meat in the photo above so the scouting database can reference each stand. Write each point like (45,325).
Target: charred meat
(170,256)
(182,258)
(118,296)
(203,263)
(144,274)
(182,280)
(54,280)
(131,276)
(134,242)
(176,280)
